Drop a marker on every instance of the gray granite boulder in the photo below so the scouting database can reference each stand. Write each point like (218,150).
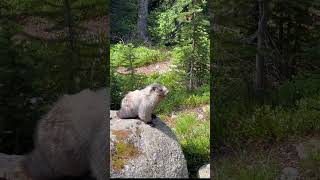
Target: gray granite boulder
(141,151)
(289,173)
(204,171)
(10,168)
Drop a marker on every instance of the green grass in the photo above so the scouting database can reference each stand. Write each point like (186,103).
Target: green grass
(240,168)
(270,124)
(200,97)
(278,123)
(178,97)
(140,55)
(291,110)
(259,163)
(194,137)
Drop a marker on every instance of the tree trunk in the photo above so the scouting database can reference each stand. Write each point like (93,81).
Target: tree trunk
(191,85)
(142,20)
(262,25)
(131,68)
(71,42)
(69,24)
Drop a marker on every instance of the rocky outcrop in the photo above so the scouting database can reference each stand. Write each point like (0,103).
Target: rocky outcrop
(141,151)
(204,171)
(289,173)
(137,151)
(10,168)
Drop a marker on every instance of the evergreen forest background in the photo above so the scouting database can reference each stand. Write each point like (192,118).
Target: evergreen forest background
(265,88)
(47,49)
(166,42)
(259,58)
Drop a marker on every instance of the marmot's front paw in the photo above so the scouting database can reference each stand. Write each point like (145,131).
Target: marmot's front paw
(153,116)
(151,124)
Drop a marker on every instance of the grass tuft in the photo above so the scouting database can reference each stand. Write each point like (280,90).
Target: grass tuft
(194,137)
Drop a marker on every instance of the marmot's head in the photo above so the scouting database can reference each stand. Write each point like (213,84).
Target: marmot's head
(158,90)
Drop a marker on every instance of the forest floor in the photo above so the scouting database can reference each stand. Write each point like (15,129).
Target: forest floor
(40,27)
(201,113)
(160,67)
(297,158)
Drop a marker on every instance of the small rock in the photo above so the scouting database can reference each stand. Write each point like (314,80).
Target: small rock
(305,148)
(289,173)
(301,151)
(173,116)
(204,171)
(200,116)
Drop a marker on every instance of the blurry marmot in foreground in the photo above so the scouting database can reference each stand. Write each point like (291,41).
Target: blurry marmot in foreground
(141,103)
(71,139)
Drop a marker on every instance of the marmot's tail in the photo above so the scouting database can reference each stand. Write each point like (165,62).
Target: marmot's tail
(119,114)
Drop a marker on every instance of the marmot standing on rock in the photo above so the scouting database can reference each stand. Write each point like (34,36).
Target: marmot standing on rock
(70,140)
(141,103)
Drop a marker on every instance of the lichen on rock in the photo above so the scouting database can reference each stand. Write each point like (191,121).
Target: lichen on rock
(123,151)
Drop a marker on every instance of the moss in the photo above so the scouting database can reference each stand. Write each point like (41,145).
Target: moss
(123,153)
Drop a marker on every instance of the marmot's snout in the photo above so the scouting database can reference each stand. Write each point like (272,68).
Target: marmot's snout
(162,91)
(165,91)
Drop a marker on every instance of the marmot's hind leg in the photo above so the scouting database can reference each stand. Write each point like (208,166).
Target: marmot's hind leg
(151,124)
(144,115)
(123,114)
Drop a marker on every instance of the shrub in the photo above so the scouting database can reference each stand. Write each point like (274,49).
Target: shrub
(120,55)
(272,124)
(194,137)
(240,168)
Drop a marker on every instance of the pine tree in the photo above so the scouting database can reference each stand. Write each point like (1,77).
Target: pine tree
(185,24)
(36,69)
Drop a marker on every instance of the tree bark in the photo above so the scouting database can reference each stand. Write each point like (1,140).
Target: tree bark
(71,42)
(262,25)
(143,20)
(191,63)
(69,24)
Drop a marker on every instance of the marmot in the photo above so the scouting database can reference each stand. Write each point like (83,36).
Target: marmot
(70,140)
(141,103)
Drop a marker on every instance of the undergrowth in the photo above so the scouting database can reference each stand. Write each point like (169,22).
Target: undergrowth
(240,168)
(120,55)
(194,137)
(239,120)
